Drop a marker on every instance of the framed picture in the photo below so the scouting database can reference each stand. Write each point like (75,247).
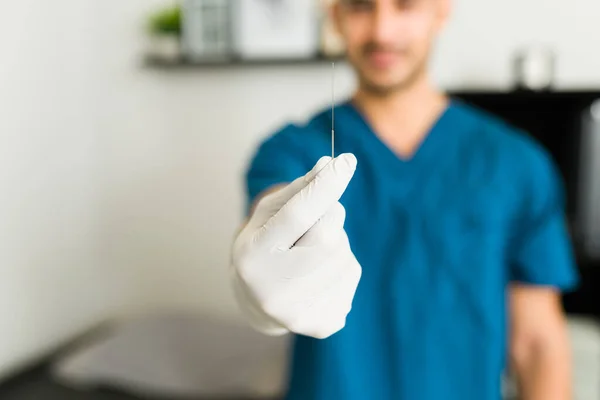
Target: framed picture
(276,28)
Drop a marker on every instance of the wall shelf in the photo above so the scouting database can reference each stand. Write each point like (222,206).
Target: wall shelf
(156,62)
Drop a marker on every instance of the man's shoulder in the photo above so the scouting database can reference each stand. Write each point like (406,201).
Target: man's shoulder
(294,143)
(488,126)
(313,129)
(506,142)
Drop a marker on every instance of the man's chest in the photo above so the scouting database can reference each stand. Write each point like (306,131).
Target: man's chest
(442,238)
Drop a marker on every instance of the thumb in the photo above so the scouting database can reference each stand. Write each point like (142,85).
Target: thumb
(307,206)
(326,230)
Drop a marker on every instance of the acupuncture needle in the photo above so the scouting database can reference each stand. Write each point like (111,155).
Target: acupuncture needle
(332,114)
(332,110)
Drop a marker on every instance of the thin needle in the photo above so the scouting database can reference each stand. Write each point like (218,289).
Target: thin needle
(332,110)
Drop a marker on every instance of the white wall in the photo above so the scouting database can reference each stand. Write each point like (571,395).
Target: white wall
(120,187)
(483,34)
(176,152)
(52,281)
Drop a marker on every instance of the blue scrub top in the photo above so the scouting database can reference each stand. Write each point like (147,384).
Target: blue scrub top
(439,237)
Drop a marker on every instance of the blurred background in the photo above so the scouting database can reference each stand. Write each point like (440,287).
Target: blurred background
(125,130)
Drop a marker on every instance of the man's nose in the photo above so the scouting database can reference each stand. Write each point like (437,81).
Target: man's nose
(385,24)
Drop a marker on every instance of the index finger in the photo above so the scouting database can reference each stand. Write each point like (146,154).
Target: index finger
(307,206)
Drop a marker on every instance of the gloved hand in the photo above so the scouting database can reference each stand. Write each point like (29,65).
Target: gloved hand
(292,266)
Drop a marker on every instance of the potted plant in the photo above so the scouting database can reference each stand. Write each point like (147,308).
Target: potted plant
(164,29)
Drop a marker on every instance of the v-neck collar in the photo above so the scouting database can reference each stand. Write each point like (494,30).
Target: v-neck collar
(426,149)
(406,175)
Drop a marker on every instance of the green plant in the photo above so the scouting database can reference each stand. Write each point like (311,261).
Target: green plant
(165,22)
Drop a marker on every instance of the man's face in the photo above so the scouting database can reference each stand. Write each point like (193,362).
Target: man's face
(389,41)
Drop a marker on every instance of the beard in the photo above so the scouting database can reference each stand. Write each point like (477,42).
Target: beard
(418,69)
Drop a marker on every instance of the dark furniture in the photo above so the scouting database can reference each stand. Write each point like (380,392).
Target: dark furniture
(36,384)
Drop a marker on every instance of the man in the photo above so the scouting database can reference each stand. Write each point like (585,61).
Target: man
(432,266)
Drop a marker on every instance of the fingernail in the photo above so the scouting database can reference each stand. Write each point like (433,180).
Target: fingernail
(346,160)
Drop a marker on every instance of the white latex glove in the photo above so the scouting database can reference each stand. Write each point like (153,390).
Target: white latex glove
(292,266)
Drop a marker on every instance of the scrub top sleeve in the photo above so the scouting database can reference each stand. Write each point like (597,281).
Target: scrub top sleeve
(542,253)
(279,160)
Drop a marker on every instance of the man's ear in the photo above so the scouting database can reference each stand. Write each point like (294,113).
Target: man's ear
(333,38)
(445,9)
(335,15)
